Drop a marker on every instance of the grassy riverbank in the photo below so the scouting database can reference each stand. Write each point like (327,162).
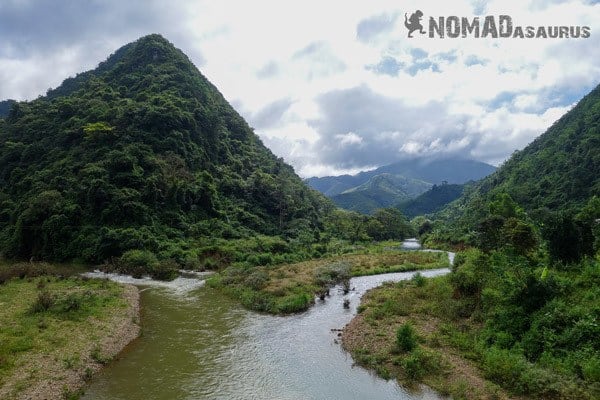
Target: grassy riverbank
(421,331)
(289,288)
(55,332)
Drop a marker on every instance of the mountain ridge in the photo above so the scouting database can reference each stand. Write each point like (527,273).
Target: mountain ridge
(141,152)
(434,171)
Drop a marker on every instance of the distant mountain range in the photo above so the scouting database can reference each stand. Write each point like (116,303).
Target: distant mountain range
(384,190)
(432,200)
(391,184)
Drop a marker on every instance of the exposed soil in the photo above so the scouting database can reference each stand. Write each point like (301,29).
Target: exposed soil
(360,335)
(48,377)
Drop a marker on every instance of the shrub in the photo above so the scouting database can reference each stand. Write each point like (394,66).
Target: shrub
(294,303)
(257,280)
(333,273)
(406,337)
(503,367)
(165,270)
(591,369)
(135,258)
(44,302)
(419,280)
(414,365)
(143,262)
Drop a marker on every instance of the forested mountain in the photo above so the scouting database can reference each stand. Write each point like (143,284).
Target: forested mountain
(531,275)
(141,153)
(560,169)
(381,191)
(431,201)
(5,106)
(428,170)
(552,179)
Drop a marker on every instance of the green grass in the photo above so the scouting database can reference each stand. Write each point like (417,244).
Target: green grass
(290,288)
(441,333)
(46,315)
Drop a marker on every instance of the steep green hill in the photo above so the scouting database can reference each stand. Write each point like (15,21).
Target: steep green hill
(141,153)
(380,191)
(552,179)
(560,169)
(431,201)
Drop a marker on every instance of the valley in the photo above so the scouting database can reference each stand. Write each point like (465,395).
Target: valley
(255,283)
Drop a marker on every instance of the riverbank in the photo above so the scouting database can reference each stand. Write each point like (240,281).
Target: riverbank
(438,347)
(291,288)
(57,332)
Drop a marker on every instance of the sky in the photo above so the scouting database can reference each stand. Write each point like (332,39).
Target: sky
(333,86)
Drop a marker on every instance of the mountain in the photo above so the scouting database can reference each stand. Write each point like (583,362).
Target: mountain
(434,171)
(558,171)
(431,201)
(381,191)
(141,153)
(5,106)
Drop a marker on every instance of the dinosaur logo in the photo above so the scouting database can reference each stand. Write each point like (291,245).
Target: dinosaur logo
(414,23)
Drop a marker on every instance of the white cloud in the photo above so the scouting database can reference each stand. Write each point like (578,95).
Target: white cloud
(277,61)
(349,139)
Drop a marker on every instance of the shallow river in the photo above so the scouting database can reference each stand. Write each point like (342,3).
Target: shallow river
(199,344)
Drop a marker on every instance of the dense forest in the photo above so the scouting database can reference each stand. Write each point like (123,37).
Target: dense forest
(552,180)
(527,289)
(143,161)
(141,153)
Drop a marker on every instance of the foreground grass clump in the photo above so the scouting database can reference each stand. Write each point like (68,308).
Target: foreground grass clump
(47,325)
(458,335)
(289,288)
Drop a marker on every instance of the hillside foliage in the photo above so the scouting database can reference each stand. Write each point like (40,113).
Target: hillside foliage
(141,153)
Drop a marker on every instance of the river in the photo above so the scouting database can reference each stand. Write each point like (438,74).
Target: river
(198,344)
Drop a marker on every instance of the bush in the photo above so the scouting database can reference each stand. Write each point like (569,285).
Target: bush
(591,370)
(333,273)
(419,280)
(420,363)
(139,263)
(44,302)
(166,270)
(257,280)
(503,367)
(468,276)
(406,337)
(293,304)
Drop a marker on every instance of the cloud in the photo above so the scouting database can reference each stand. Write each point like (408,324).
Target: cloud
(386,129)
(322,62)
(331,86)
(268,70)
(270,116)
(368,29)
(44,42)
